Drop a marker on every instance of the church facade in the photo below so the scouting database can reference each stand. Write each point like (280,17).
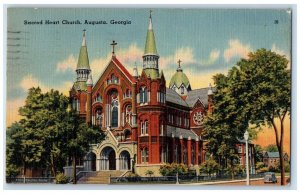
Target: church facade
(146,123)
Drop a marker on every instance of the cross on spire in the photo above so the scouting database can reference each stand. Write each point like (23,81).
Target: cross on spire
(179,61)
(113,44)
(150,13)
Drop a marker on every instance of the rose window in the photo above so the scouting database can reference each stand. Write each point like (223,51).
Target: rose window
(198,118)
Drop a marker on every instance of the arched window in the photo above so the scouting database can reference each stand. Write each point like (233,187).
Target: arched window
(127,94)
(99,117)
(144,154)
(114,109)
(144,128)
(98,98)
(114,79)
(143,95)
(128,113)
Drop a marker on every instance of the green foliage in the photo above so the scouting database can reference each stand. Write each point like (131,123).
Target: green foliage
(261,167)
(12,170)
(48,133)
(209,167)
(173,169)
(263,170)
(258,155)
(149,173)
(256,91)
(61,179)
(271,148)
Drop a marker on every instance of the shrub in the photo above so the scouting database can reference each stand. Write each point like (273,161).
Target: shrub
(132,175)
(173,169)
(149,172)
(262,170)
(61,179)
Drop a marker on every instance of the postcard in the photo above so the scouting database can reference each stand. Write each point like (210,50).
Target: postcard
(133,96)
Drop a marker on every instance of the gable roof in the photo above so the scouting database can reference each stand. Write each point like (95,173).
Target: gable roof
(173,97)
(273,154)
(194,95)
(115,61)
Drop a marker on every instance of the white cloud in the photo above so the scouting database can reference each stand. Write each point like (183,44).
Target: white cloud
(67,64)
(236,49)
(185,54)
(213,57)
(29,81)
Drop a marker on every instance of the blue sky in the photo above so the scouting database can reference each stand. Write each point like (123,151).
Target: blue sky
(208,41)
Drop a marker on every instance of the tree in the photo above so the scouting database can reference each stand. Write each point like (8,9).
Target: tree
(44,114)
(271,148)
(48,133)
(209,167)
(79,136)
(264,86)
(258,155)
(227,122)
(14,155)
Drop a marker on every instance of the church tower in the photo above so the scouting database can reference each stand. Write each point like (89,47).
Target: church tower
(80,88)
(83,67)
(150,57)
(151,105)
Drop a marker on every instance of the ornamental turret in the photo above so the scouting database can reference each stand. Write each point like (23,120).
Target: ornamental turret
(150,57)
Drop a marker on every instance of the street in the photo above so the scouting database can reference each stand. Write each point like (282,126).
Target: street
(259,182)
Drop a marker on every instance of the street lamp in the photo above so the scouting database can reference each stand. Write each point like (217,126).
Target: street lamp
(246,136)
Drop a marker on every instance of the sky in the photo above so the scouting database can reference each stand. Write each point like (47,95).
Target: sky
(207,41)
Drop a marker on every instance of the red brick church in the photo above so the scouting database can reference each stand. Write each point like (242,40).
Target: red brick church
(146,122)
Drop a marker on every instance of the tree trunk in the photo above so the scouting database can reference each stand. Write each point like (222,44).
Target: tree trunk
(279,144)
(74,169)
(282,170)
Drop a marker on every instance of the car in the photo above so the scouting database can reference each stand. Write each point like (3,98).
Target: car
(270,177)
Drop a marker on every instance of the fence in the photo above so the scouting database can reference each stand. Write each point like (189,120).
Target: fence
(173,179)
(30,180)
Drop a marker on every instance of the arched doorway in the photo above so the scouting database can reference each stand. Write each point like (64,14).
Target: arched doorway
(90,161)
(125,162)
(108,159)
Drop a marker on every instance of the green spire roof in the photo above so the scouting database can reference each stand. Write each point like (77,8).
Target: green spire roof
(152,73)
(83,59)
(150,46)
(179,78)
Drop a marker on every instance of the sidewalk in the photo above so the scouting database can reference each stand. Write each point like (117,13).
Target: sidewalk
(223,182)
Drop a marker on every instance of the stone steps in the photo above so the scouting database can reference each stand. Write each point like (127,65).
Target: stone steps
(100,177)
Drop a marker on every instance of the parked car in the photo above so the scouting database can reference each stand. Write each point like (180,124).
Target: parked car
(270,177)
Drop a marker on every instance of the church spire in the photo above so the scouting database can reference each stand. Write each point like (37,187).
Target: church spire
(83,67)
(83,59)
(150,57)
(150,46)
